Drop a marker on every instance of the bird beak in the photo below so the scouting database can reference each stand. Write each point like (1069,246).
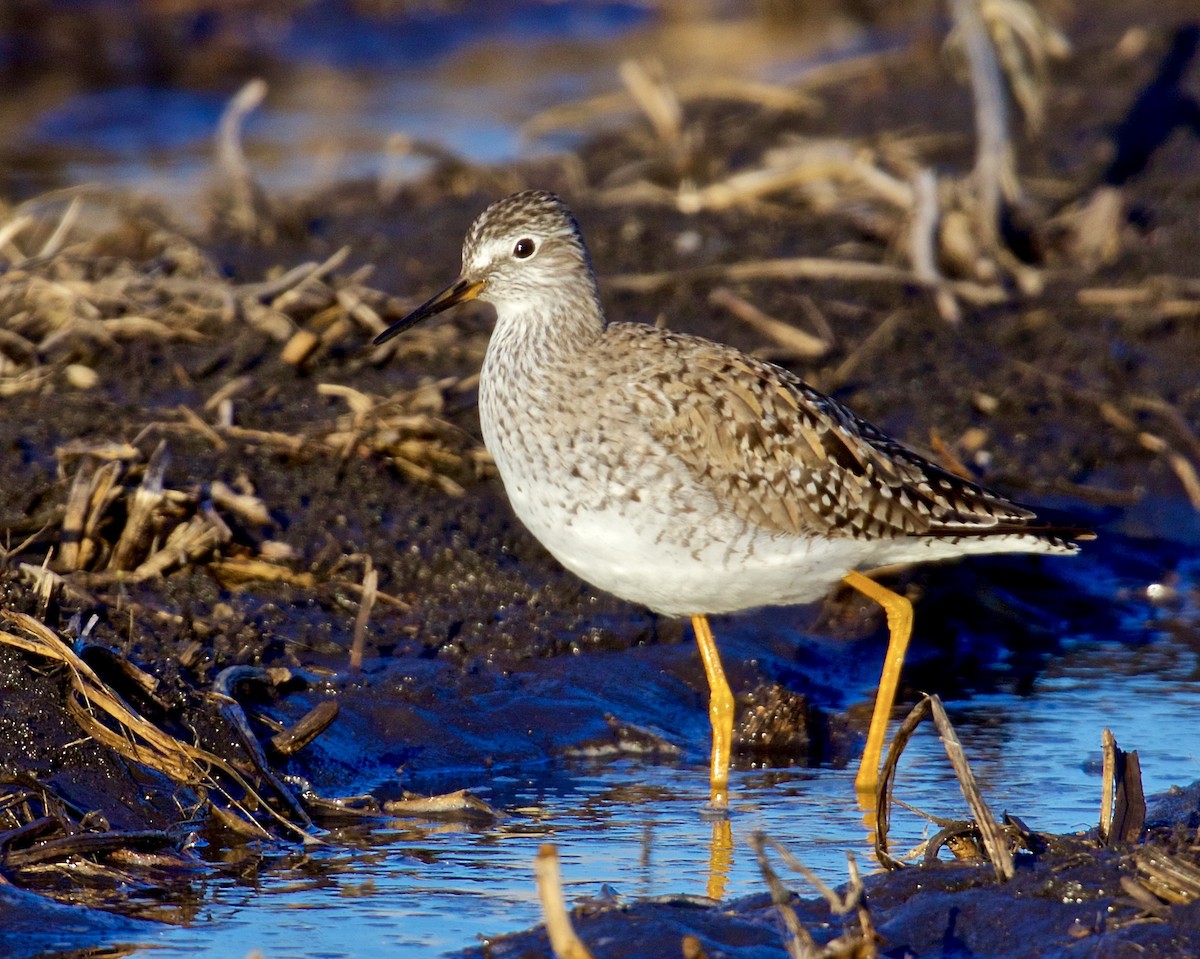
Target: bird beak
(458,292)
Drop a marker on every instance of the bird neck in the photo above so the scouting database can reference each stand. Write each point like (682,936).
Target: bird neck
(550,330)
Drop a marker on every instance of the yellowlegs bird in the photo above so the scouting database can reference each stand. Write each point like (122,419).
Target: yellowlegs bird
(683,474)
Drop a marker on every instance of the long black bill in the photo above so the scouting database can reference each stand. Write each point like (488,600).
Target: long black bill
(459,292)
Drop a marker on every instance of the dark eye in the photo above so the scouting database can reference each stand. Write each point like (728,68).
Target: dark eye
(524,248)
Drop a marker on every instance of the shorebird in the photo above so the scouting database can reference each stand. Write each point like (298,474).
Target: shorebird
(689,477)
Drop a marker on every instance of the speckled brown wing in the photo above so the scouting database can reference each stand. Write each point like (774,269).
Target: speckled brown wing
(792,460)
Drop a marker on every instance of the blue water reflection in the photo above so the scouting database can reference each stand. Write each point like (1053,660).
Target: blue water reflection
(333,33)
(635,827)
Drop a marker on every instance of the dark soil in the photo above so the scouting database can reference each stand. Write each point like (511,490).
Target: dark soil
(487,654)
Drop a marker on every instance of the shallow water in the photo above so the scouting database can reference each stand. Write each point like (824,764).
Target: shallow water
(466,79)
(635,829)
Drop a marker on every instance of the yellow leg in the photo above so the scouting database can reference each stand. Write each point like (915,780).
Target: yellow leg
(900,621)
(720,711)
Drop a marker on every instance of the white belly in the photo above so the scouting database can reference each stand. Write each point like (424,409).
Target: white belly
(678,566)
(705,560)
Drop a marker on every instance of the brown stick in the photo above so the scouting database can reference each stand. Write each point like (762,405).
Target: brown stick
(563,939)
(365,605)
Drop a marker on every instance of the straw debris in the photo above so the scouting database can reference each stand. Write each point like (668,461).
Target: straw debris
(563,939)
(858,941)
(104,715)
(993,843)
(957,247)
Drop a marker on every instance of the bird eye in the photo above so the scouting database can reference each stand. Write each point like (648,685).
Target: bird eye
(524,248)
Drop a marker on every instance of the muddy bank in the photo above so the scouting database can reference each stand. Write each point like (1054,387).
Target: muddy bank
(1069,904)
(209,474)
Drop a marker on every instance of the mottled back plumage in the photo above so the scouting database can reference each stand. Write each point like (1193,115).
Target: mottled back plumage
(791,460)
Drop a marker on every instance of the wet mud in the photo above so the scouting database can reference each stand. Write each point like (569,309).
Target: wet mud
(1069,904)
(361,471)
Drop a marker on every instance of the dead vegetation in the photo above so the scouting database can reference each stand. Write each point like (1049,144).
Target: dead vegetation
(203,743)
(949,229)
(858,941)
(103,715)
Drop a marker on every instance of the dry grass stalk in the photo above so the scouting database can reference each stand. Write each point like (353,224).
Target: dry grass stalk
(163,528)
(188,542)
(994,179)
(1144,898)
(48,584)
(293,739)
(605,107)
(231,710)
(61,311)
(1122,801)
(29,381)
(1002,40)
(795,341)
(380,596)
(146,503)
(365,315)
(873,341)
(1171,878)
(860,943)
(103,492)
(305,280)
(826,172)
(104,451)
(994,841)
(228,391)
(564,941)
(922,244)
(9,232)
(1025,44)
(801,268)
(241,204)
(141,281)
(71,550)
(272,439)
(58,237)
(406,429)
(647,84)
(793,268)
(1185,471)
(302,345)
(240,570)
(246,505)
(963,225)
(1092,228)
(1155,300)
(1108,782)
(370,587)
(1183,467)
(48,855)
(799,943)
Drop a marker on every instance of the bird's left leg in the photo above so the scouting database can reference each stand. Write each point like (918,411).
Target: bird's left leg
(900,621)
(720,711)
